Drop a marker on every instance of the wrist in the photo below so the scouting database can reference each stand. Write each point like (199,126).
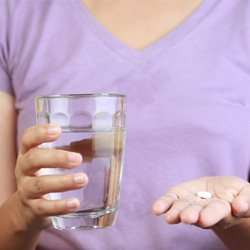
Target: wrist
(236,234)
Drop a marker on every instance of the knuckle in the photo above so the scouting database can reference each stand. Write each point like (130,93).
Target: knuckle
(23,194)
(34,132)
(17,173)
(20,192)
(65,181)
(40,133)
(26,189)
(59,208)
(60,157)
(40,208)
(22,185)
(56,207)
(24,137)
(39,186)
(30,157)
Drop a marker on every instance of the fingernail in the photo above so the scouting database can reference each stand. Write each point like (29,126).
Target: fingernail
(74,157)
(53,130)
(73,203)
(79,178)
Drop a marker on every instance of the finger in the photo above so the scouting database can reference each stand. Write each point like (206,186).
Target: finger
(214,212)
(40,185)
(190,214)
(162,204)
(42,207)
(173,215)
(241,203)
(37,135)
(37,158)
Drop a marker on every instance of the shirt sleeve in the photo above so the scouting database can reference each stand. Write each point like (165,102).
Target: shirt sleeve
(5,78)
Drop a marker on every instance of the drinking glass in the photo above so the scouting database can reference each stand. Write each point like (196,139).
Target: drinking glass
(94,126)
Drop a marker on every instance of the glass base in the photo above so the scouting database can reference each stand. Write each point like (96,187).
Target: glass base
(86,220)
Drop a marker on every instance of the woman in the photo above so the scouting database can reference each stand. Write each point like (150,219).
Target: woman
(184,68)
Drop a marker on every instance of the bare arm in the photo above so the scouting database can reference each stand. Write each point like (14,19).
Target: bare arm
(23,210)
(13,234)
(7,146)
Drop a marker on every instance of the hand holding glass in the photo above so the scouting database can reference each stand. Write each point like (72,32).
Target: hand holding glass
(94,126)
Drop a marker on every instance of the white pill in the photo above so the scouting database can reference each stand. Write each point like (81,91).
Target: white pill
(204,195)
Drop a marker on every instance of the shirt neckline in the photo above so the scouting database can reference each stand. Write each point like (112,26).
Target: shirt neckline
(166,42)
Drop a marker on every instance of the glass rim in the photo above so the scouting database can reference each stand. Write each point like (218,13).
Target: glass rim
(71,96)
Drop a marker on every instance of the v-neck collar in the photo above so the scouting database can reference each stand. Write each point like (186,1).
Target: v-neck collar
(165,42)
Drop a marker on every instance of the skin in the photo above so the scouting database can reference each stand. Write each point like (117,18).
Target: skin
(140,23)
(8,146)
(225,212)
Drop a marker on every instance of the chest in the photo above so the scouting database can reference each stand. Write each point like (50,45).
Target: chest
(140,23)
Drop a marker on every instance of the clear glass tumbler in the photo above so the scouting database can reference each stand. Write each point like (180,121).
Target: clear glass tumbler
(94,126)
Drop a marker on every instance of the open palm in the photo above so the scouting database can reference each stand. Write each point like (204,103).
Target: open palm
(228,204)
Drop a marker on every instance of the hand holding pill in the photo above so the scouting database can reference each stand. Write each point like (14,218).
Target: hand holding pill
(207,202)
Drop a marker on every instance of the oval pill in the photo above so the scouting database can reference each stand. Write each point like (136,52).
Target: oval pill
(204,195)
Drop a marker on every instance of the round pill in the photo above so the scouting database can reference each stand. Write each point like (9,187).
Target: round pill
(204,195)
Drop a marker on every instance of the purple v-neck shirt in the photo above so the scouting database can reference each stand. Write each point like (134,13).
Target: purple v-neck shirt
(188,112)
